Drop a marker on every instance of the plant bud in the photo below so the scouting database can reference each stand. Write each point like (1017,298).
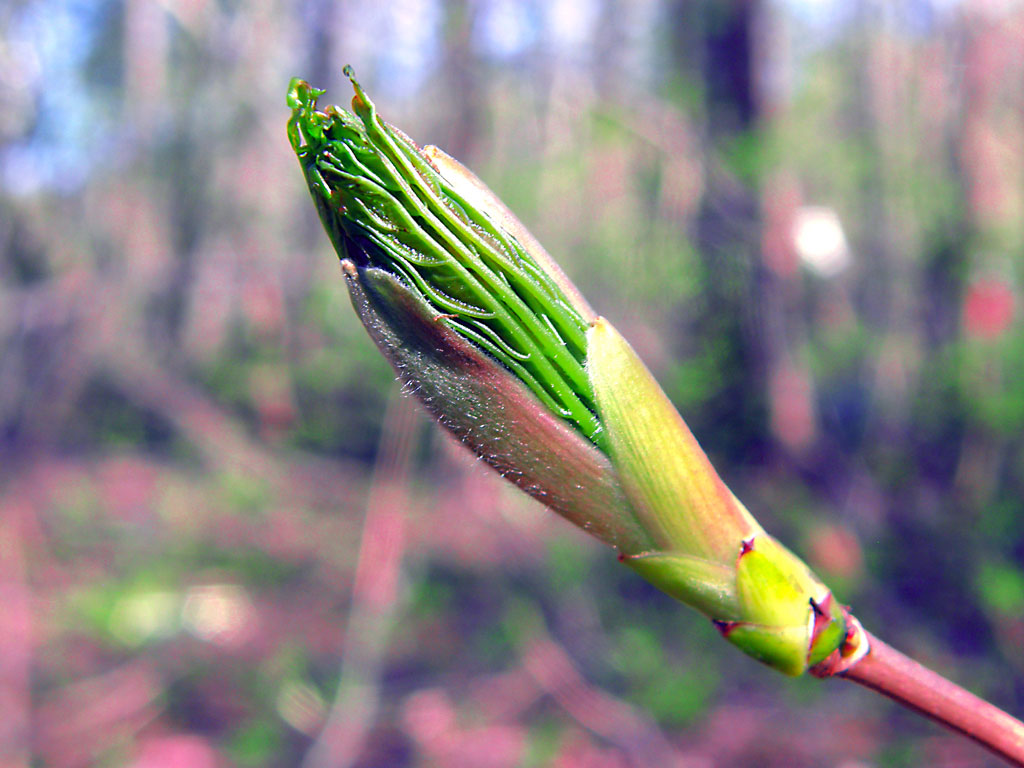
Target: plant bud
(485,329)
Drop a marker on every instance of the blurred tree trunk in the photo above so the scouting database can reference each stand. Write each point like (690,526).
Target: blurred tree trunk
(712,43)
(460,74)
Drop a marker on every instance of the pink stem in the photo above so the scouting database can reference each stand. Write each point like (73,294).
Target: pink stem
(886,670)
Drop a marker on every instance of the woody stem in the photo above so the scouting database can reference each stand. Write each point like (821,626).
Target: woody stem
(889,672)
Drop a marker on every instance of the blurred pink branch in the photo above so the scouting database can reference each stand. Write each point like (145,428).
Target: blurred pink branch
(606,716)
(15,638)
(86,716)
(375,594)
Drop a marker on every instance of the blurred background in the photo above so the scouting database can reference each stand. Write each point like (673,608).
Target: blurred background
(225,540)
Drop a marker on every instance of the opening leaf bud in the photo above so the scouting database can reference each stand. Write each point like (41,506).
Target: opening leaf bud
(487,331)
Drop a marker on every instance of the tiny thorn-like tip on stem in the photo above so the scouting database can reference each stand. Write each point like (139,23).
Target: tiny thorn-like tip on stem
(723,627)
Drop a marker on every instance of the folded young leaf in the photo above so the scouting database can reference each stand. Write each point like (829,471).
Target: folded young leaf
(667,477)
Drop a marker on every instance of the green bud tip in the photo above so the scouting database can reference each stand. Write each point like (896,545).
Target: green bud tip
(383,204)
